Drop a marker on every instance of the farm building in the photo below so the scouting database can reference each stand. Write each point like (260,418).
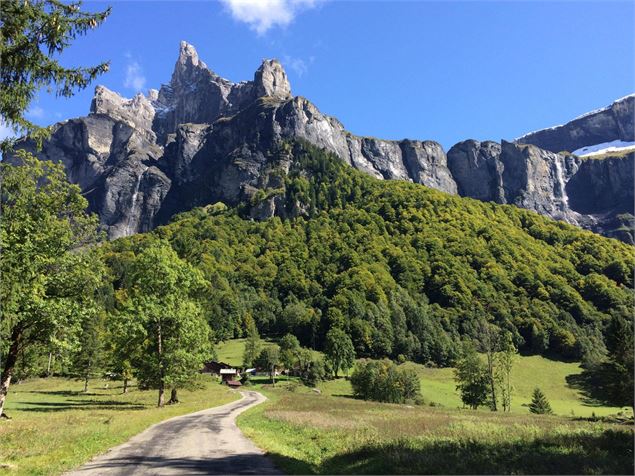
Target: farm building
(214,368)
(227,375)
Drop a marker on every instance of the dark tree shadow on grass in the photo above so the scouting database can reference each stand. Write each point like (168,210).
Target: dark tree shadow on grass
(599,386)
(81,405)
(65,393)
(610,452)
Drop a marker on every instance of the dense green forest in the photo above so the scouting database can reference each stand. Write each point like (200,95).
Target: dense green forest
(406,271)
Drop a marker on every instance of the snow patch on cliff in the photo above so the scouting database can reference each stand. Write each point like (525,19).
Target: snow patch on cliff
(604,147)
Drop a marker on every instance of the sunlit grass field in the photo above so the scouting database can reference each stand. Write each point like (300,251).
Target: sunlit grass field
(439,387)
(334,433)
(307,433)
(56,427)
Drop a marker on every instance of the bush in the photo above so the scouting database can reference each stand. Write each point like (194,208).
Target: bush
(313,372)
(383,381)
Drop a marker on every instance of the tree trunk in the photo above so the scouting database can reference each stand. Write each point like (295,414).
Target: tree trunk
(86,384)
(490,369)
(161,401)
(125,385)
(48,367)
(273,375)
(173,397)
(9,365)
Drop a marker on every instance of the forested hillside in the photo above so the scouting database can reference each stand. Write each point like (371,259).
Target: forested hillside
(405,270)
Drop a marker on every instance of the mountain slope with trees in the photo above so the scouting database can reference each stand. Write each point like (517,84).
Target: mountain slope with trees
(404,270)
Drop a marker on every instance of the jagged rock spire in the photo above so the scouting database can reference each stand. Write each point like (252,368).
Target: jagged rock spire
(271,80)
(188,65)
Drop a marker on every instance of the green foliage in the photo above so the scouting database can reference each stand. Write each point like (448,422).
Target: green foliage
(88,359)
(383,381)
(339,350)
(400,268)
(163,320)
(50,273)
(504,361)
(269,359)
(289,351)
(253,345)
(472,378)
(621,355)
(33,33)
(312,369)
(539,403)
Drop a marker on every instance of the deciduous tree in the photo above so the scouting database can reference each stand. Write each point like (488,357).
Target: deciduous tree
(49,273)
(166,321)
(253,344)
(339,350)
(472,378)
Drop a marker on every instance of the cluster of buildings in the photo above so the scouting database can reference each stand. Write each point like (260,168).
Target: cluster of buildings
(229,375)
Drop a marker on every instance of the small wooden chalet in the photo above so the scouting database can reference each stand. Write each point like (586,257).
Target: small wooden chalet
(227,375)
(214,368)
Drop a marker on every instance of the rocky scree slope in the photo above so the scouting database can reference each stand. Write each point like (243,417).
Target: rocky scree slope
(201,139)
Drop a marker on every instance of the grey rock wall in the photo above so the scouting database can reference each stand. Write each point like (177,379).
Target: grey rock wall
(201,139)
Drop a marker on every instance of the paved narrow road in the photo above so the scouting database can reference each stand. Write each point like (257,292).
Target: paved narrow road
(205,442)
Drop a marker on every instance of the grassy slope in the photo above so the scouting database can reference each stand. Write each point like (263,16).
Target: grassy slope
(231,351)
(308,433)
(438,385)
(56,427)
(333,433)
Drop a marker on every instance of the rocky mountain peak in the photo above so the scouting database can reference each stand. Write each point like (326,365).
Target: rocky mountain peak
(201,139)
(188,54)
(188,68)
(137,112)
(271,80)
(614,122)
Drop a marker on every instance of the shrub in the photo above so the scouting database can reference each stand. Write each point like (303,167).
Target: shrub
(383,381)
(313,372)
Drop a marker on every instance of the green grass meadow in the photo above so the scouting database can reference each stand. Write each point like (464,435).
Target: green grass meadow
(307,433)
(334,433)
(56,427)
(439,387)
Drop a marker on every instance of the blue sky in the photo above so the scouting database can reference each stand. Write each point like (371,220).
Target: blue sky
(445,71)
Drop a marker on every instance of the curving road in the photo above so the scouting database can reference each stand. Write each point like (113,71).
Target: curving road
(205,442)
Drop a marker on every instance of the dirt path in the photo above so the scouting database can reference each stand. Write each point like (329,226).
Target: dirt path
(205,442)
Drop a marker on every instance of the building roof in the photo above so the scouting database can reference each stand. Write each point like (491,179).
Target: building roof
(228,371)
(214,367)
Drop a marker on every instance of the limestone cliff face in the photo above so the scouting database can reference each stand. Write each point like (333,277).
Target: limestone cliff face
(602,192)
(477,169)
(116,167)
(608,124)
(201,139)
(596,194)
